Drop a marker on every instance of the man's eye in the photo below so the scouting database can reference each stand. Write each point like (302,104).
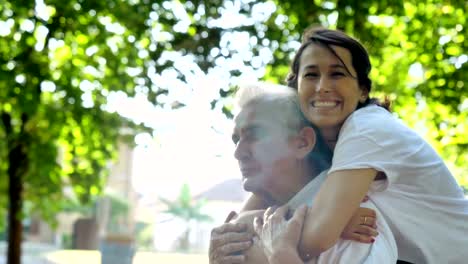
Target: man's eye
(251,137)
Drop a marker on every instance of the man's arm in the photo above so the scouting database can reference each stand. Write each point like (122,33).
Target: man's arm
(289,256)
(255,202)
(337,200)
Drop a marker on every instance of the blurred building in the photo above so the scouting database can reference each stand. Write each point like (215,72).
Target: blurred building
(104,222)
(220,199)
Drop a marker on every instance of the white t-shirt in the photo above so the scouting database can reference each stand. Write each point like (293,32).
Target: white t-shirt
(382,251)
(420,199)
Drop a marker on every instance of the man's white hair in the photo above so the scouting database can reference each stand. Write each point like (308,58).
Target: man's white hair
(280,101)
(249,91)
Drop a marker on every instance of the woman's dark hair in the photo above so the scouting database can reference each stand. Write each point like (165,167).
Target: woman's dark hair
(360,58)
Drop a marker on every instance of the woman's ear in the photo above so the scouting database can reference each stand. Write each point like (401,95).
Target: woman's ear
(305,142)
(364,94)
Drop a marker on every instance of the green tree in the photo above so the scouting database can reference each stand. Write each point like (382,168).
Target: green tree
(58,64)
(61,61)
(187,209)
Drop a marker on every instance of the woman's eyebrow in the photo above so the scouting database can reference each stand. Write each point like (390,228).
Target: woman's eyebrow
(310,67)
(338,66)
(313,66)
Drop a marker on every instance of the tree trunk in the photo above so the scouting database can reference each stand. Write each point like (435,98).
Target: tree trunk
(16,159)
(185,241)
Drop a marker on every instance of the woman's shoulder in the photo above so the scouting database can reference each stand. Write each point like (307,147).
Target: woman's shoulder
(371,112)
(377,124)
(370,117)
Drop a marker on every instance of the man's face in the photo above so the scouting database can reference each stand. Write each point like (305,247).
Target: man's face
(263,149)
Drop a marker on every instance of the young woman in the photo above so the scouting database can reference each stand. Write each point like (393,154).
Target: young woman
(374,154)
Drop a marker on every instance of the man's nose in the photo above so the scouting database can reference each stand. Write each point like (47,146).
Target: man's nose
(324,85)
(242,151)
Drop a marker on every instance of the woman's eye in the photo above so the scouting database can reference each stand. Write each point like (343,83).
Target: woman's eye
(337,74)
(311,74)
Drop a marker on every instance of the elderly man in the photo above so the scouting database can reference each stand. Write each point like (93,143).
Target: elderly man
(280,156)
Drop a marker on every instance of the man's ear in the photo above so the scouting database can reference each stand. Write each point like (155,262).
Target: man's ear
(305,142)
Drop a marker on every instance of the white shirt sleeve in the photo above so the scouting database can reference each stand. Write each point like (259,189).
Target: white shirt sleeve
(372,138)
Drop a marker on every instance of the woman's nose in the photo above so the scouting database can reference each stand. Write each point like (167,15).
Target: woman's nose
(323,85)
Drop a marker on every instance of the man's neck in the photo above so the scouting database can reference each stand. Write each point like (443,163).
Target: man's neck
(330,134)
(304,174)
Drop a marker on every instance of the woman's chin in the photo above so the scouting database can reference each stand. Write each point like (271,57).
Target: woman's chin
(326,121)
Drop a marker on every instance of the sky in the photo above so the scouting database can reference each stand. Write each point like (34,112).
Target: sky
(191,144)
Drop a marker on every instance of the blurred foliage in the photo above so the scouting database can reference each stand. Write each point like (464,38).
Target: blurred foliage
(185,206)
(188,209)
(144,234)
(60,61)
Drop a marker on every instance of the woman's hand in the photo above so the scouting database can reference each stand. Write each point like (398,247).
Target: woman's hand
(227,243)
(361,227)
(280,237)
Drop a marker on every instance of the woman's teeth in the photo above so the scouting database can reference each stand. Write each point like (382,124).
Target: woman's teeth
(324,104)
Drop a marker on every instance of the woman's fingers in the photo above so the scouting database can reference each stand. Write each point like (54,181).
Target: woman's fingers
(364,234)
(365,199)
(368,221)
(362,226)
(360,238)
(363,211)
(366,231)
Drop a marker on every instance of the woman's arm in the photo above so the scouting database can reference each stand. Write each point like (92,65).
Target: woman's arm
(337,200)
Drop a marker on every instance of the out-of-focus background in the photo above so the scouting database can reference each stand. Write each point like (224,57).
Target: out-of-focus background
(116,115)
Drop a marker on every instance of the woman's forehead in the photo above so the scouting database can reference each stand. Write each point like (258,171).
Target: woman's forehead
(318,55)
